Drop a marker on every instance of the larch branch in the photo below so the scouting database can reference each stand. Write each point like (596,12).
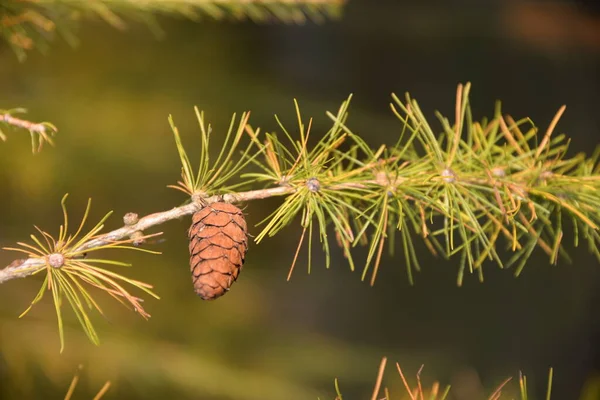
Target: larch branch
(21,123)
(22,268)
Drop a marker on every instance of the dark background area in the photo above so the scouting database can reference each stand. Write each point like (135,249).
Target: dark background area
(268,338)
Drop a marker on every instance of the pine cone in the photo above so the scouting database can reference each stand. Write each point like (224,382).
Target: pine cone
(218,245)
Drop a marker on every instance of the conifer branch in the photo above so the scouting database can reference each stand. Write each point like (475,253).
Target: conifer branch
(26,24)
(22,268)
(75,381)
(419,391)
(516,187)
(462,192)
(40,132)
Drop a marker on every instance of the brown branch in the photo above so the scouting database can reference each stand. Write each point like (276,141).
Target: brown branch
(21,123)
(24,267)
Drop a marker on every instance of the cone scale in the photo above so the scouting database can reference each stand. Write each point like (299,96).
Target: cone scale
(218,245)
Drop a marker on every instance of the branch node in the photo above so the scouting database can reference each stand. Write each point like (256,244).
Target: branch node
(448,175)
(381,177)
(313,185)
(383,180)
(56,260)
(130,219)
(284,181)
(545,175)
(498,172)
(200,198)
(137,237)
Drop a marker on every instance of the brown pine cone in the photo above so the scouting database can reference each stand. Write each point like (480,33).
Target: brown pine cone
(218,245)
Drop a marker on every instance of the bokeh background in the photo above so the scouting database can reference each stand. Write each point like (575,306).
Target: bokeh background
(271,339)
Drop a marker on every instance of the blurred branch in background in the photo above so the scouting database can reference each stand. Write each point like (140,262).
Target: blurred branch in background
(419,392)
(41,132)
(75,381)
(28,24)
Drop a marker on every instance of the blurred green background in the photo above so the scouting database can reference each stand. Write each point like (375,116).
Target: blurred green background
(268,338)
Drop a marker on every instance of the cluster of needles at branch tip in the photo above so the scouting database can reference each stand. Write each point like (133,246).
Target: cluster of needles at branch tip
(71,271)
